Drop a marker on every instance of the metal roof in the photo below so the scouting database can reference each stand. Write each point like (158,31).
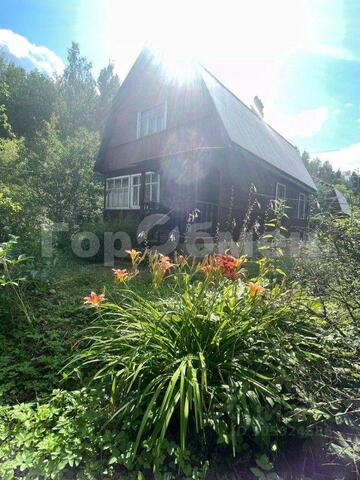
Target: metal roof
(344,206)
(248,130)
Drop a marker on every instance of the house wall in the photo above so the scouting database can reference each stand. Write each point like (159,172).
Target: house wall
(194,148)
(221,176)
(192,122)
(241,170)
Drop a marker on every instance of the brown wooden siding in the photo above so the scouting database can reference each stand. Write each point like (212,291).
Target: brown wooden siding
(192,121)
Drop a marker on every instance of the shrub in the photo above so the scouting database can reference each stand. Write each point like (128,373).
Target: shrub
(327,265)
(129,226)
(54,439)
(65,438)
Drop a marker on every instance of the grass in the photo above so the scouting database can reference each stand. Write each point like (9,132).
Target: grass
(33,355)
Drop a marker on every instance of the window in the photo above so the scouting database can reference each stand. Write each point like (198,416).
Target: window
(280,191)
(152,187)
(151,121)
(135,191)
(301,206)
(123,192)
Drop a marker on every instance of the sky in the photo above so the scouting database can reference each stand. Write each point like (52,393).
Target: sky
(301,57)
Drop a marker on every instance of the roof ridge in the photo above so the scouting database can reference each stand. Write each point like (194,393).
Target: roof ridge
(243,103)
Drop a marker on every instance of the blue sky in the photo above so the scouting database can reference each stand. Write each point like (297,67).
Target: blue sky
(302,57)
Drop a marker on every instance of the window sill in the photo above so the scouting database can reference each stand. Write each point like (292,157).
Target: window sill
(151,134)
(122,208)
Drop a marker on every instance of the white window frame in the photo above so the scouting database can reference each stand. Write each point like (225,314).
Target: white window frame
(302,215)
(152,183)
(130,194)
(138,126)
(278,184)
(135,175)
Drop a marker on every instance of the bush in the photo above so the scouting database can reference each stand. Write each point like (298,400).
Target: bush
(327,266)
(66,438)
(217,361)
(129,226)
(54,439)
(40,317)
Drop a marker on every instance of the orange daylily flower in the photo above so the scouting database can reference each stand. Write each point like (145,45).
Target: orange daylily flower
(238,262)
(134,254)
(208,270)
(94,299)
(255,289)
(121,275)
(164,263)
(181,260)
(226,265)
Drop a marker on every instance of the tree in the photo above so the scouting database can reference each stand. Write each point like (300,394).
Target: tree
(28,98)
(108,84)
(318,169)
(259,106)
(16,212)
(355,182)
(63,174)
(78,96)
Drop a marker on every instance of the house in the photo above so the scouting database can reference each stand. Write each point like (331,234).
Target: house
(177,141)
(332,200)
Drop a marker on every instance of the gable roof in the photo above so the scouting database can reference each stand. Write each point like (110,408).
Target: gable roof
(343,204)
(246,129)
(242,125)
(332,198)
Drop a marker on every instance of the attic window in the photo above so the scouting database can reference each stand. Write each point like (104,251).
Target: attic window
(280,191)
(151,121)
(301,206)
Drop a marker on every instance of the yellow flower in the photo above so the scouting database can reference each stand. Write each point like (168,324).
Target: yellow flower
(121,275)
(255,289)
(94,299)
(134,254)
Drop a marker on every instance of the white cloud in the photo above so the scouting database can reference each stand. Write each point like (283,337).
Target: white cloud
(19,50)
(339,53)
(346,158)
(349,105)
(304,124)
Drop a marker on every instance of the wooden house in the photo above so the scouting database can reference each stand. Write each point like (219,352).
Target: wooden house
(177,141)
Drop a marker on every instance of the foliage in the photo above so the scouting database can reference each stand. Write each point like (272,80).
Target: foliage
(327,265)
(49,137)
(323,173)
(345,449)
(32,354)
(15,200)
(108,84)
(78,96)
(216,360)
(94,233)
(75,97)
(12,274)
(28,98)
(54,439)
(63,176)
(64,438)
